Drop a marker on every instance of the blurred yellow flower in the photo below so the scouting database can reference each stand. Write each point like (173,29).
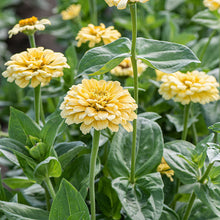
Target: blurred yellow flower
(95,34)
(125,68)
(189,87)
(164,168)
(71,12)
(160,74)
(212,4)
(99,104)
(121,4)
(36,65)
(29,26)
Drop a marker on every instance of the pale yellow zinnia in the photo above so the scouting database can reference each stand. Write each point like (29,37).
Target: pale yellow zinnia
(213,5)
(71,12)
(125,68)
(164,168)
(99,104)
(189,87)
(36,65)
(121,4)
(29,26)
(95,34)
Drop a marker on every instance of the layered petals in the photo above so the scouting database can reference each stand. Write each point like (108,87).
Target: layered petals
(121,4)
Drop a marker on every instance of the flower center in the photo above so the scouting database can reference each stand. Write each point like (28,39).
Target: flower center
(98,99)
(28,21)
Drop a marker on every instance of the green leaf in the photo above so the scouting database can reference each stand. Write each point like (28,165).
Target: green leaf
(2,190)
(15,211)
(21,126)
(18,182)
(165,56)
(208,19)
(51,128)
(178,155)
(69,151)
(100,60)
(169,214)
(148,154)
(68,204)
(142,200)
(50,167)
(215,127)
(10,156)
(150,115)
(213,152)
(209,194)
(215,175)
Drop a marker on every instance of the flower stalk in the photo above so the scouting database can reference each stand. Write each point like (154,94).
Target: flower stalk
(185,120)
(93,12)
(133,10)
(93,158)
(50,187)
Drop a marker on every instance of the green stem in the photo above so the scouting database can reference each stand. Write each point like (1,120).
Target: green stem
(94,153)
(42,112)
(193,195)
(219,60)
(32,40)
(37,102)
(185,119)
(195,136)
(50,187)
(206,45)
(133,10)
(93,12)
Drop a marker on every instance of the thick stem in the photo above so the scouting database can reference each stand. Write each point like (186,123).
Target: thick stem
(93,12)
(133,10)
(185,120)
(50,187)
(32,40)
(93,158)
(37,102)
(193,195)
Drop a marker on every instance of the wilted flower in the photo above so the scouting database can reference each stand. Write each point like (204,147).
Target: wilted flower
(160,74)
(164,168)
(212,5)
(28,26)
(99,104)
(189,87)
(125,68)
(36,65)
(121,4)
(71,12)
(95,34)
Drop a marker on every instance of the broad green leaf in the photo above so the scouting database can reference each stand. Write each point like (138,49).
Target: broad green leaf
(2,190)
(209,194)
(208,19)
(213,152)
(178,156)
(10,156)
(51,128)
(50,167)
(150,115)
(21,126)
(100,60)
(68,204)
(169,214)
(215,127)
(18,182)
(15,211)
(68,150)
(215,175)
(142,200)
(148,154)
(165,56)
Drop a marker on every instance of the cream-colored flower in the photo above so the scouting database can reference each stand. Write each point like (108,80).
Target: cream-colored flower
(121,4)
(36,65)
(99,104)
(29,26)
(71,12)
(95,34)
(125,68)
(189,87)
(212,5)
(160,74)
(164,168)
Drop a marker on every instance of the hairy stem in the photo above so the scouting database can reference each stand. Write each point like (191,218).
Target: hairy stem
(50,187)
(93,12)
(185,120)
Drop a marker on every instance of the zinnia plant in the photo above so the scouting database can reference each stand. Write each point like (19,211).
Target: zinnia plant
(71,12)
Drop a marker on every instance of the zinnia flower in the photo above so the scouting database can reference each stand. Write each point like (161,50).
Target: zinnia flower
(95,34)
(36,65)
(121,4)
(212,5)
(190,87)
(71,12)
(28,26)
(99,104)
(125,68)
(164,168)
